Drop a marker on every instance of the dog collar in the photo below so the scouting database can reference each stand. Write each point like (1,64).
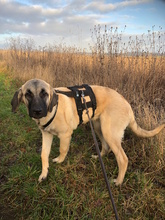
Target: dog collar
(50,121)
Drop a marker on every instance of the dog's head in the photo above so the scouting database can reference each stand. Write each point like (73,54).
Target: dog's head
(38,96)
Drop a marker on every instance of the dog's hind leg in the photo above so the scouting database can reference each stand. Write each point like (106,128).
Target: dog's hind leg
(122,161)
(105,148)
(113,136)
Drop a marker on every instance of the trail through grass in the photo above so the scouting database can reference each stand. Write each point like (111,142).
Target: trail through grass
(74,189)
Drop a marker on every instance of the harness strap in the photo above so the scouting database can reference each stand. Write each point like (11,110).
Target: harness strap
(92,96)
(77,93)
(70,93)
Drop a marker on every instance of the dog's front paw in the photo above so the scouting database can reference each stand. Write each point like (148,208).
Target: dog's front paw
(58,159)
(42,177)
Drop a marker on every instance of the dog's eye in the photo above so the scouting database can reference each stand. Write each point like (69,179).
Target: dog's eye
(29,95)
(43,93)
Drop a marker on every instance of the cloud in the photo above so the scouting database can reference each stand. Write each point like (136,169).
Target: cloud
(27,13)
(38,19)
(102,7)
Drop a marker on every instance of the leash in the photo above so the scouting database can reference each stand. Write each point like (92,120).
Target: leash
(100,159)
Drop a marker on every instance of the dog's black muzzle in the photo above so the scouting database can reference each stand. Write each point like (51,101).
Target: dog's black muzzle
(37,108)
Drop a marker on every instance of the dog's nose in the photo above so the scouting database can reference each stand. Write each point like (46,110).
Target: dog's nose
(37,111)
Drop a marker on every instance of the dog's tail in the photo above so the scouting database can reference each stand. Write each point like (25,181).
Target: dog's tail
(144,133)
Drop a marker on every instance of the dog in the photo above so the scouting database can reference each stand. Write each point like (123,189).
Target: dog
(56,114)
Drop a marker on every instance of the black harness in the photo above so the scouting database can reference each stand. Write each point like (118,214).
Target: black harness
(77,92)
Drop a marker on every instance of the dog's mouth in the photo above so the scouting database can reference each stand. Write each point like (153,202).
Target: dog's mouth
(36,116)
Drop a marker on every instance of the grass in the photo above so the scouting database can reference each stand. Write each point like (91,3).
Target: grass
(76,188)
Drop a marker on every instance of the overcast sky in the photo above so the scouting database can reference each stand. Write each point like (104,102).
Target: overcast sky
(70,21)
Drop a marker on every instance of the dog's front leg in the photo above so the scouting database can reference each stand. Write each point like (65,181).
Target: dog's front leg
(46,146)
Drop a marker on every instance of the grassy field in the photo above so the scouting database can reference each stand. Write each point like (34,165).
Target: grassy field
(76,188)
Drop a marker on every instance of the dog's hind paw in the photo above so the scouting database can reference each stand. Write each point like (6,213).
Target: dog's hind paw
(58,159)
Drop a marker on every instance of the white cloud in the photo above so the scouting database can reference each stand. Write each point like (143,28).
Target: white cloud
(36,19)
(102,7)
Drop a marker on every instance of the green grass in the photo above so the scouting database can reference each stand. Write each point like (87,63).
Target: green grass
(76,188)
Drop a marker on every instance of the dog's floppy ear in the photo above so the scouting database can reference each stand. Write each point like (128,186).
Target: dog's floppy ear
(17,98)
(53,100)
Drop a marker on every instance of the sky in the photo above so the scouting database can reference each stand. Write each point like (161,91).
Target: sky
(71,22)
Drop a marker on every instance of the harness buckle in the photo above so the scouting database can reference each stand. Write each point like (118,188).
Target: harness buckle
(77,94)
